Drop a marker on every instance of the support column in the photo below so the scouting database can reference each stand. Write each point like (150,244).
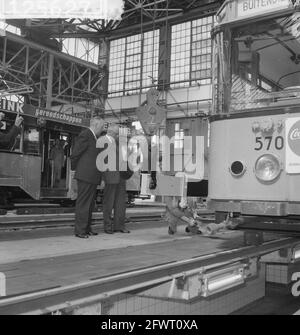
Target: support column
(103,85)
(164,58)
(50,81)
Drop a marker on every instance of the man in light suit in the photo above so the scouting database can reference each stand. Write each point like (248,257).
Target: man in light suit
(114,197)
(83,160)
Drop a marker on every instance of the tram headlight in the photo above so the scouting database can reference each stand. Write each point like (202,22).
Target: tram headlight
(267,168)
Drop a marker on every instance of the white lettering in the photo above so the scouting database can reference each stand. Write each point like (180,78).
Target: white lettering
(2,284)
(295,134)
(118,325)
(248,7)
(296,286)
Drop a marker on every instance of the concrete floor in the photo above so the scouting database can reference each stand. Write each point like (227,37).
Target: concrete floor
(42,243)
(32,262)
(45,258)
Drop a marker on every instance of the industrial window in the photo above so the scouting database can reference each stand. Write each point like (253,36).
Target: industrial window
(150,58)
(81,48)
(117,66)
(191,53)
(179,137)
(133,63)
(180,54)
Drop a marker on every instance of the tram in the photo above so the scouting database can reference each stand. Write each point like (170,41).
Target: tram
(254,158)
(36,167)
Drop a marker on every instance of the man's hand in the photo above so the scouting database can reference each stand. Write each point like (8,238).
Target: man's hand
(18,121)
(2,115)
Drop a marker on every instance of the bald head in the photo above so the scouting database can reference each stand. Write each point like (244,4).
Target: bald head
(113,130)
(97,125)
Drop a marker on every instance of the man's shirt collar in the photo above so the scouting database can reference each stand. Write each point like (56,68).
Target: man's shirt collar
(93,133)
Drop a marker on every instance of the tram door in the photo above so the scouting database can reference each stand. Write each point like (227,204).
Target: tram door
(56,162)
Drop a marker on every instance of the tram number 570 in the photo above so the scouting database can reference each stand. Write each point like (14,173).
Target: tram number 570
(268,141)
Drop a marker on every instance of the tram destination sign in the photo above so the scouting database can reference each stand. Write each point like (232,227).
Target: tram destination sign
(250,8)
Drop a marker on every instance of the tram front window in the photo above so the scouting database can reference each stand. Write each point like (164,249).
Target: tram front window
(262,67)
(31,141)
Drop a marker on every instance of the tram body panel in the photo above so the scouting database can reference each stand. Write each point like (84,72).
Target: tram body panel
(234,140)
(21,171)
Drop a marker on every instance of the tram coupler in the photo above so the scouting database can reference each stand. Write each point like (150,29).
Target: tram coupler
(178,212)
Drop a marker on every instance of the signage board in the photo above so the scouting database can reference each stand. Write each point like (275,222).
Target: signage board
(250,8)
(25,109)
(292,156)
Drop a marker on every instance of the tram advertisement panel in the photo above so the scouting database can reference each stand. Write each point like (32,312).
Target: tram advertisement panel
(17,107)
(292,127)
(54,115)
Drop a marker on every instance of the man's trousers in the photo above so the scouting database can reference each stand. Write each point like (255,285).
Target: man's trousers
(115,198)
(85,204)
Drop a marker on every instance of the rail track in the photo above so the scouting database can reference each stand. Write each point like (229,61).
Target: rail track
(12,221)
(69,299)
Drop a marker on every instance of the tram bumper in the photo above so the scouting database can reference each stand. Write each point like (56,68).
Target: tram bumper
(266,208)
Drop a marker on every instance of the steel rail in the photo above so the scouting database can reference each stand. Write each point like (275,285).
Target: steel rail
(67,219)
(68,297)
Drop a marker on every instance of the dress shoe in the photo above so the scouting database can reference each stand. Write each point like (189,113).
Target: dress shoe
(124,231)
(82,235)
(92,233)
(108,231)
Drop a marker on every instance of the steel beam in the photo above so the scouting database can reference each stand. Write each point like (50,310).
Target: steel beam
(60,55)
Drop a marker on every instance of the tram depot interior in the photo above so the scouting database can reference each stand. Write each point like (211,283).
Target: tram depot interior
(221,240)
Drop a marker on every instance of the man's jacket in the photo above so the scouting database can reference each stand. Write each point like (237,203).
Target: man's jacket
(83,158)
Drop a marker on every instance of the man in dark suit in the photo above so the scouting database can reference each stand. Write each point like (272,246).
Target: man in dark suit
(6,140)
(83,160)
(114,197)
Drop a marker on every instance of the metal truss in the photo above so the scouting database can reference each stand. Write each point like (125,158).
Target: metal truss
(135,12)
(48,78)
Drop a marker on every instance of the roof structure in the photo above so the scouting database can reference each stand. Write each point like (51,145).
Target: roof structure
(136,12)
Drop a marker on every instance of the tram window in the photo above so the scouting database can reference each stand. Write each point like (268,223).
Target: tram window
(31,141)
(15,144)
(265,62)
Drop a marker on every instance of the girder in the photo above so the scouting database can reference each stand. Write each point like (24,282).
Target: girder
(47,77)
